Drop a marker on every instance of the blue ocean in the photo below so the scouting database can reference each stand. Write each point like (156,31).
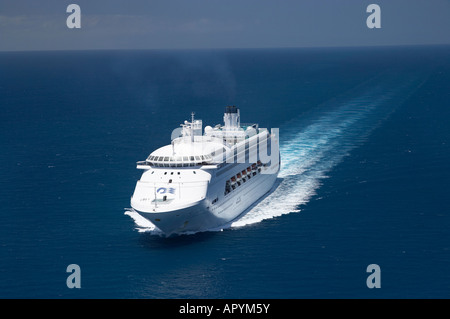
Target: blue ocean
(365,175)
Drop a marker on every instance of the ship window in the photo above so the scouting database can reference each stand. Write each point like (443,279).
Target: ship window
(170,181)
(198,158)
(171,173)
(192,158)
(185,158)
(194,172)
(178,173)
(165,173)
(178,158)
(166,159)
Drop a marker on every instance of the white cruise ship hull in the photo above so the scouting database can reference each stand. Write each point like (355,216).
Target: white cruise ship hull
(203,215)
(204,182)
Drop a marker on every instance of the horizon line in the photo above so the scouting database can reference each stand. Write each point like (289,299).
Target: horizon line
(235,48)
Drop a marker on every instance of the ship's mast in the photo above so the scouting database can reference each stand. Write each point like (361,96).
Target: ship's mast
(192,127)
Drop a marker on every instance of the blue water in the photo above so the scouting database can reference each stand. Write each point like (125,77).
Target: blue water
(365,177)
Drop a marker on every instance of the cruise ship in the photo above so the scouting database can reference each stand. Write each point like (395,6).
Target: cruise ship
(205,179)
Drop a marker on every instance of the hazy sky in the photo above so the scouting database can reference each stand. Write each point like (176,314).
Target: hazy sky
(168,24)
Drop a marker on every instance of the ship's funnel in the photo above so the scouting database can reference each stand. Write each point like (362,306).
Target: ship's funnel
(231,118)
(231,109)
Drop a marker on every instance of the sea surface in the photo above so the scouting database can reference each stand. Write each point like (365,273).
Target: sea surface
(365,177)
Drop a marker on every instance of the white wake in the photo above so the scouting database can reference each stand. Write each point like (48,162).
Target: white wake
(309,152)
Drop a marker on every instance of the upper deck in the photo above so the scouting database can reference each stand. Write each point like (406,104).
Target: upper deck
(194,149)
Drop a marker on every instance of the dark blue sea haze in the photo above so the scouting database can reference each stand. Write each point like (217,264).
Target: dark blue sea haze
(365,146)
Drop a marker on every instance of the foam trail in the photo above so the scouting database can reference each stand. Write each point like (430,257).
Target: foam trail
(309,152)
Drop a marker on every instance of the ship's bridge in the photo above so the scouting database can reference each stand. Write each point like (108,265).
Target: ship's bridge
(183,152)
